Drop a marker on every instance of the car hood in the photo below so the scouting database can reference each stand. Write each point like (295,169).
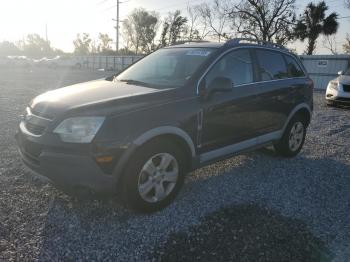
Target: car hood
(344,79)
(93,94)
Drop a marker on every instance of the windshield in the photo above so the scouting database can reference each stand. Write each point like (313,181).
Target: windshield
(347,72)
(170,67)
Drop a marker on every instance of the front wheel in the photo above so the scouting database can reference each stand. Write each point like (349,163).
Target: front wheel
(154,176)
(293,138)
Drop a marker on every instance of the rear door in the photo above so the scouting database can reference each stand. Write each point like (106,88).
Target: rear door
(299,86)
(275,89)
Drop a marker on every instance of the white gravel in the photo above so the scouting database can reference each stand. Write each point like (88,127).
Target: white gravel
(38,222)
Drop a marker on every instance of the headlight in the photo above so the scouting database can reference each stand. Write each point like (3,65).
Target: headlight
(79,129)
(333,85)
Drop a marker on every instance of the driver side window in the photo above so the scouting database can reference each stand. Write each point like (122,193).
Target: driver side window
(236,65)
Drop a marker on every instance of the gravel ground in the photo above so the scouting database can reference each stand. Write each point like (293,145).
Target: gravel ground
(253,207)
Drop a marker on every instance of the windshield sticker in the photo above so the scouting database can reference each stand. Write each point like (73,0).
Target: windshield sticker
(198,52)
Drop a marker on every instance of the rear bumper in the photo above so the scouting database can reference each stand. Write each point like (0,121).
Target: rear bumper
(68,170)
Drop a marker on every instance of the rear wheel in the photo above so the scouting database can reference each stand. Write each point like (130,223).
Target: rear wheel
(154,176)
(293,138)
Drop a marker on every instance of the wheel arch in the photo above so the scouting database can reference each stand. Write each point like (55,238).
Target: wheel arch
(167,132)
(170,133)
(302,109)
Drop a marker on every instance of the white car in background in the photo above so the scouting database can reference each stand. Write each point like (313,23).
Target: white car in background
(18,61)
(338,90)
(57,62)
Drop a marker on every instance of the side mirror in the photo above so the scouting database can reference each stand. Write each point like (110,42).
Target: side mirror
(220,84)
(341,73)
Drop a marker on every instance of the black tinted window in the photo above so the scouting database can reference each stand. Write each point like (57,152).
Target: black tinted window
(236,65)
(293,68)
(272,65)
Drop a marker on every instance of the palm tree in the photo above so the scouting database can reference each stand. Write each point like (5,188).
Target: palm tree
(314,22)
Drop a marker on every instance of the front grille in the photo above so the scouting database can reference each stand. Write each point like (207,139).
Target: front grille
(346,88)
(35,129)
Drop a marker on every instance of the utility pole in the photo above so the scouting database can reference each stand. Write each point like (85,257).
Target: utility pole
(47,38)
(117,28)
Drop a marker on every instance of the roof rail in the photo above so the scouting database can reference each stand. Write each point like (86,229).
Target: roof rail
(190,41)
(237,41)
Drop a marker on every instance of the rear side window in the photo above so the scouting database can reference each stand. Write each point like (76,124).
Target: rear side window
(293,68)
(271,65)
(236,65)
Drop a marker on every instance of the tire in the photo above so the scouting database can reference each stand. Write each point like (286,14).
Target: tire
(293,138)
(159,182)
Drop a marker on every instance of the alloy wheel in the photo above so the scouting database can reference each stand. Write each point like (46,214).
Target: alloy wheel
(158,177)
(296,136)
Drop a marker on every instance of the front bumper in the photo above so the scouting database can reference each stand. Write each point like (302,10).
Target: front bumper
(71,170)
(337,96)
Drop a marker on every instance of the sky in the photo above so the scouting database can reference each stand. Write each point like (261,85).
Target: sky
(66,18)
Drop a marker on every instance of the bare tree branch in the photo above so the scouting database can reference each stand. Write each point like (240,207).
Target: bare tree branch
(329,42)
(347,3)
(346,46)
(216,18)
(268,20)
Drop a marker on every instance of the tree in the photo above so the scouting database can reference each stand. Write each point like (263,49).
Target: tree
(163,36)
(193,24)
(347,3)
(313,22)
(139,30)
(330,43)
(346,46)
(215,18)
(177,29)
(34,45)
(174,29)
(9,48)
(267,20)
(105,41)
(82,44)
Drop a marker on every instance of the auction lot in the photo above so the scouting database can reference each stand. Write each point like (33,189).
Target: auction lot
(253,207)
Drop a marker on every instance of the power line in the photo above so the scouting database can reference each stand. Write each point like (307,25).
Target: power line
(115,5)
(102,2)
(177,4)
(117,19)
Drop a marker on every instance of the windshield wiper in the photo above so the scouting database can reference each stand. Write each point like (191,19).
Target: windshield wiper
(134,82)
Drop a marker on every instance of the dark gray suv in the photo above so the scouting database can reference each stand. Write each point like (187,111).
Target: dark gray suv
(182,107)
